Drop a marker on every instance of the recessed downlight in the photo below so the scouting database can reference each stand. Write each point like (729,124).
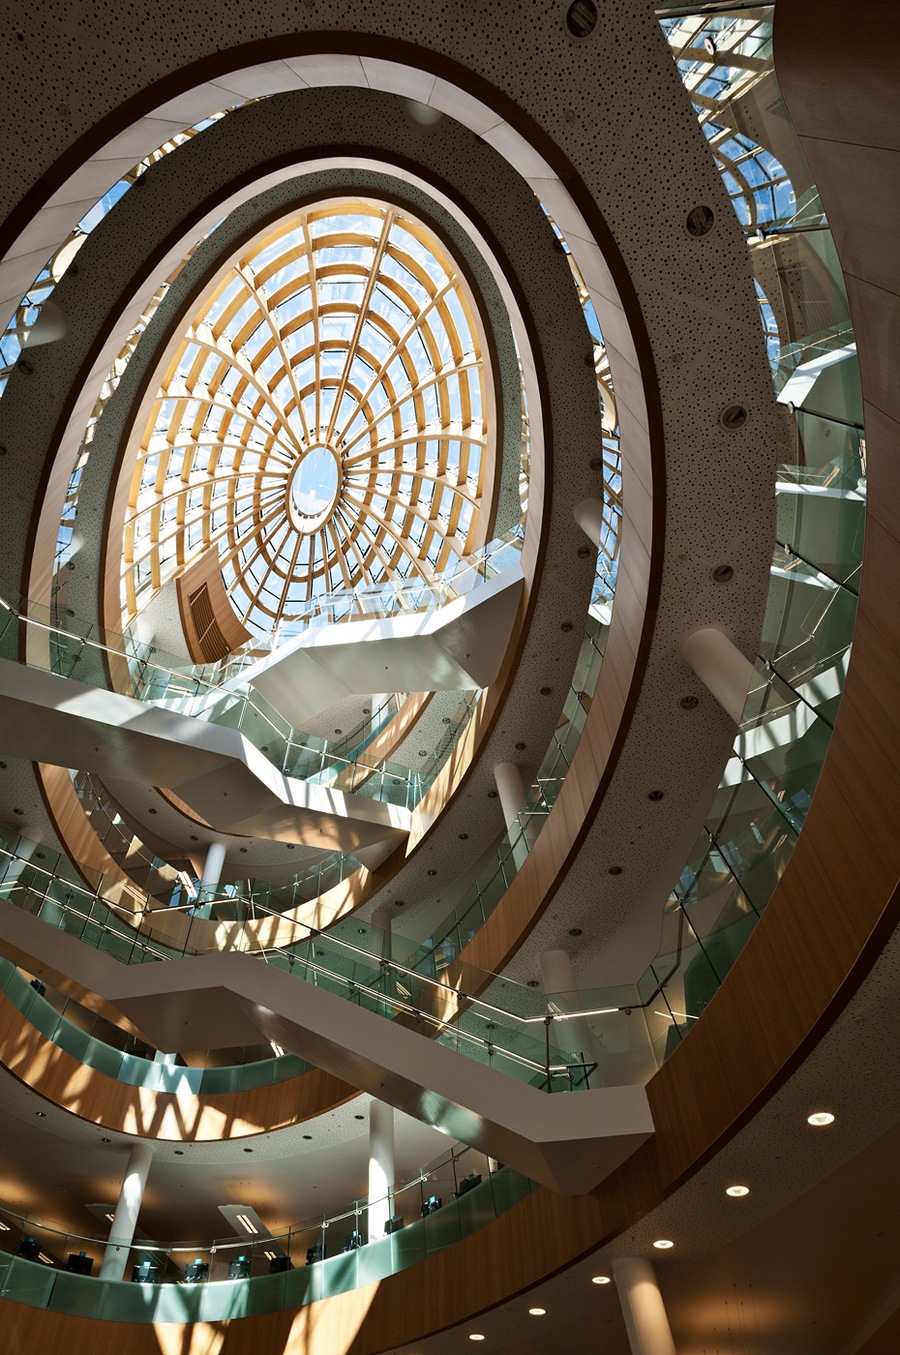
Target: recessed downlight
(737,1191)
(820,1117)
(663,1243)
(537,1312)
(601,1279)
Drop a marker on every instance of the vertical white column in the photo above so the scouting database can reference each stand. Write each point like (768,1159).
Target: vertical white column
(382,919)
(510,789)
(381,1167)
(212,868)
(643,1309)
(720,666)
(558,976)
(212,875)
(121,1233)
(588,513)
(508,780)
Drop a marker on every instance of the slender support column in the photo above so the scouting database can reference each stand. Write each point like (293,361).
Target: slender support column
(381,1167)
(212,869)
(508,780)
(510,789)
(382,919)
(642,1307)
(588,513)
(558,977)
(121,1233)
(721,666)
(209,880)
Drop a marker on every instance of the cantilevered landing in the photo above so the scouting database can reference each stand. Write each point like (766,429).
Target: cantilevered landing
(453,648)
(567,1141)
(215,771)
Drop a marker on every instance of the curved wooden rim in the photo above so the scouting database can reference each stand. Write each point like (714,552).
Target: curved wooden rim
(98,1099)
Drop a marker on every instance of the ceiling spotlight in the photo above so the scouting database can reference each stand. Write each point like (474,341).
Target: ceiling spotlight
(737,1191)
(520,747)
(537,1312)
(663,1244)
(432,872)
(601,1279)
(820,1117)
(575,931)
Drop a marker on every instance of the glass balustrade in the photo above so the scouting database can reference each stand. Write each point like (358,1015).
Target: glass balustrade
(98,1044)
(449,1199)
(78,650)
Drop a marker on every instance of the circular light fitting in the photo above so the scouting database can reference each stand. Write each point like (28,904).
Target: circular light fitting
(581,18)
(663,1243)
(737,1192)
(820,1117)
(734,417)
(537,1312)
(700,221)
(601,1279)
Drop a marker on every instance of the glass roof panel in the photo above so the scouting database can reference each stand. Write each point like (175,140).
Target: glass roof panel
(306,398)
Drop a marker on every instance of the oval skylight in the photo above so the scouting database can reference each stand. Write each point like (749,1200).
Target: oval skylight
(325,424)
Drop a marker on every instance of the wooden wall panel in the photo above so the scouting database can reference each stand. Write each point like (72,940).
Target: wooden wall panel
(213,630)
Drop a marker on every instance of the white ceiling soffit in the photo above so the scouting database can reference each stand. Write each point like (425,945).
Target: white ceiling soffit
(567,1142)
(456,647)
(216,771)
